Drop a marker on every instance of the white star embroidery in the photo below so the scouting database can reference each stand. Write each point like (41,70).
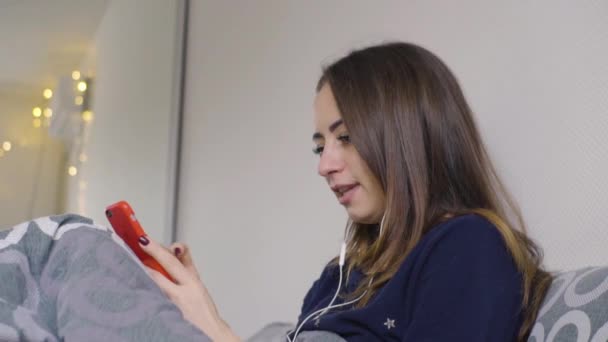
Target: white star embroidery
(390,323)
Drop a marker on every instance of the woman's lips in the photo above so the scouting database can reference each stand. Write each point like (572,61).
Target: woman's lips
(345,193)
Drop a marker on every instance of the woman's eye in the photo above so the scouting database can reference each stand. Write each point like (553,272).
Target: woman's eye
(344,138)
(318,150)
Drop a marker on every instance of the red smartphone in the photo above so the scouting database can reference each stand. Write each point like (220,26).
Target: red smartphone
(125,224)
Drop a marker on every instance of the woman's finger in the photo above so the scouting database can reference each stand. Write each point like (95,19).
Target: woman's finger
(166,259)
(178,249)
(167,286)
(182,252)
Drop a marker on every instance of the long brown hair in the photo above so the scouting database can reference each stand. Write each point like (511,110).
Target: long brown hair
(409,120)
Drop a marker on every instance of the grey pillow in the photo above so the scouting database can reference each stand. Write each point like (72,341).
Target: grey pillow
(63,278)
(575,308)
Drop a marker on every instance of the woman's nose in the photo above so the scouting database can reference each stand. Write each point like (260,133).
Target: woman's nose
(330,162)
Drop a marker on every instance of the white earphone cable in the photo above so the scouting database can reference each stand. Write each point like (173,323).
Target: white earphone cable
(321,312)
(341,263)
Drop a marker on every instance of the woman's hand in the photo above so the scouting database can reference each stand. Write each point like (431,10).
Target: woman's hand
(188,292)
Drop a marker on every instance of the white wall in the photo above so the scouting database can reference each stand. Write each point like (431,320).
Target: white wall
(130,151)
(262,224)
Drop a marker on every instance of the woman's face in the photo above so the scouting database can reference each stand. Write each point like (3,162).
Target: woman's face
(347,175)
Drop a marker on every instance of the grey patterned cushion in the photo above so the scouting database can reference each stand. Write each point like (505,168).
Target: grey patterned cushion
(575,308)
(63,278)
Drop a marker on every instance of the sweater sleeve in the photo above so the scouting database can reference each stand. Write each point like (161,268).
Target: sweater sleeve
(468,288)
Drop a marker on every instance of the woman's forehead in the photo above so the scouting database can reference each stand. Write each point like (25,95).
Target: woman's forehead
(326,110)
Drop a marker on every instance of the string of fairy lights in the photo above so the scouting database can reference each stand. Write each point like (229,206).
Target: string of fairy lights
(42,115)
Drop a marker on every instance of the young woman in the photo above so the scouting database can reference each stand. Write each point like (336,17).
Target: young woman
(435,249)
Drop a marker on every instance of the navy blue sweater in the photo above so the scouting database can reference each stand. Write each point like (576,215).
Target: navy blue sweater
(459,284)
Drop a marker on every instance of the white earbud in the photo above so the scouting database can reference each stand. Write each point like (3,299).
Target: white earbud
(342,254)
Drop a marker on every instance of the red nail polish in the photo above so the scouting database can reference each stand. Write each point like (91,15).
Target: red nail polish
(177,251)
(144,240)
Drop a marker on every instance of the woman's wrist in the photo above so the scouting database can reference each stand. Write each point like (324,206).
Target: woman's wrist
(223,332)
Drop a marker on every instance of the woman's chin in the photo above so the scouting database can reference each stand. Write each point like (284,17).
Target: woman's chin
(360,217)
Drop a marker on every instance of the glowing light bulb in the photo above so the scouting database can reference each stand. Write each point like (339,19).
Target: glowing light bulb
(72,171)
(7,146)
(78,100)
(75,75)
(82,86)
(48,112)
(47,93)
(37,112)
(87,116)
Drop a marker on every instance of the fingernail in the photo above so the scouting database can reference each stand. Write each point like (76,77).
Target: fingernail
(144,240)
(177,251)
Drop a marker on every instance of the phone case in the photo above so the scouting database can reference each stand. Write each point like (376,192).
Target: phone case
(122,218)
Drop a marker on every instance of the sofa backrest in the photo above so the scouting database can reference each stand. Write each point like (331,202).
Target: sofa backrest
(575,308)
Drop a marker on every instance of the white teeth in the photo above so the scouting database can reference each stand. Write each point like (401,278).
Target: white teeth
(341,191)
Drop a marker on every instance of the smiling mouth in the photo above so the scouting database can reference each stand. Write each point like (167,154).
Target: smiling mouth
(344,193)
(343,189)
